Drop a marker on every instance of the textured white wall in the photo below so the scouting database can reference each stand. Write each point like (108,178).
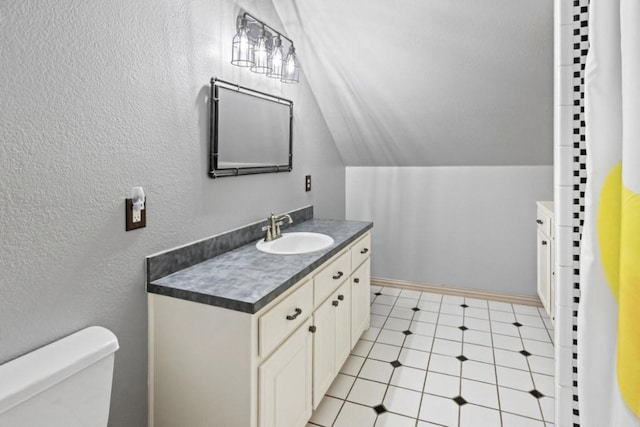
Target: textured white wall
(98,97)
(469,227)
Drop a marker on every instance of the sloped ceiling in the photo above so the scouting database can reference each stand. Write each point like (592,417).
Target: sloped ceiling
(430,82)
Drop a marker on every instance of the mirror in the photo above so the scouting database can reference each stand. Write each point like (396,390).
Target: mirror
(251,131)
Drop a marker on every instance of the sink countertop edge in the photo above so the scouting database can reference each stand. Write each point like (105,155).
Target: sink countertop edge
(203,283)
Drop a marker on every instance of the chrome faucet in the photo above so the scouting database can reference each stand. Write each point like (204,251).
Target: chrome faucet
(273,227)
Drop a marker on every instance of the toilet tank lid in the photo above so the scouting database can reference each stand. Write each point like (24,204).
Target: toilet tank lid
(28,375)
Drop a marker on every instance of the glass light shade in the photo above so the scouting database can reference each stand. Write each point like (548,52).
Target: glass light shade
(261,55)
(242,54)
(276,60)
(291,71)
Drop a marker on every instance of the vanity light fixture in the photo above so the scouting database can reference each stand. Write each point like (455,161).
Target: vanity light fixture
(260,47)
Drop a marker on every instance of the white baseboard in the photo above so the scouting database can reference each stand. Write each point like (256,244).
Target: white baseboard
(449,290)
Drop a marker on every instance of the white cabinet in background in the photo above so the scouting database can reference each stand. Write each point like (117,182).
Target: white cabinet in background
(545,256)
(213,366)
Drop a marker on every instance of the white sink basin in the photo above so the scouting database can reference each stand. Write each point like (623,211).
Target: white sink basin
(295,243)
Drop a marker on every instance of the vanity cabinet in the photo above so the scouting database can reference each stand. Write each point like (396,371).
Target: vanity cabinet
(214,366)
(545,256)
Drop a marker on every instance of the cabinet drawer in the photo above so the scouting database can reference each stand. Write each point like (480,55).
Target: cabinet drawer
(544,221)
(284,318)
(331,277)
(360,251)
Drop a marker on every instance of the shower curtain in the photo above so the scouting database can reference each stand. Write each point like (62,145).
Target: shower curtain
(609,310)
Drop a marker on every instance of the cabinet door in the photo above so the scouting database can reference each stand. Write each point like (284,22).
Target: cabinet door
(285,382)
(324,348)
(343,325)
(544,271)
(360,301)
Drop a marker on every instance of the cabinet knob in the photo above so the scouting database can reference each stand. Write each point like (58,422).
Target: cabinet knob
(539,221)
(312,329)
(293,316)
(339,275)
(335,303)
(544,243)
(356,280)
(341,297)
(364,251)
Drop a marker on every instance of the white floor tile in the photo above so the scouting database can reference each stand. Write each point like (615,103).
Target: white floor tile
(451,309)
(387,336)
(439,410)
(510,420)
(510,359)
(526,320)
(541,365)
(422,328)
(507,343)
(402,313)
(377,320)
(394,420)
(408,377)
(426,316)
(418,342)
(452,299)
(475,302)
(537,334)
(384,352)
(341,386)
(390,291)
(547,405)
(502,316)
(381,309)
(429,306)
(352,365)
(450,320)
(402,401)
(446,347)
(479,393)
(477,416)
(376,370)
(362,348)
(448,333)
(514,378)
(477,337)
(504,329)
(444,364)
(426,424)
(500,306)
(430,296)
(408,293)
(396,324)
(385,299)
(367,392)
(414,358)
(326,413)
(539,348)
(355,415)
(526,309)
(370,334)
(477,324)
(478,352)
(519,402)
(544,384)
(479,371)
(478,313)
(407,302)
(442,385)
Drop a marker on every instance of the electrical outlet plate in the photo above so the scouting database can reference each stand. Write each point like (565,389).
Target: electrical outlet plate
(130,224)
(307,183)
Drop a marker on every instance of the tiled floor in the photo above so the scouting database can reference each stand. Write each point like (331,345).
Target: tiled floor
(440,360)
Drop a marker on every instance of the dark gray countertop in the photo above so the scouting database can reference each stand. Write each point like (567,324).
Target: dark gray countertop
(246,279)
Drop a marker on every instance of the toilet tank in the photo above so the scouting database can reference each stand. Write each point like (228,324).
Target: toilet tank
(64,384)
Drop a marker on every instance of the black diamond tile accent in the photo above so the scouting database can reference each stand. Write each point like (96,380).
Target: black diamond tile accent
(525,353)
(463,328)
(517,324)
(535,393)
(459,400)
(464,305)
(377,294)
(396,363)
(462,358)
(380,409)
(415,309)
(407,332)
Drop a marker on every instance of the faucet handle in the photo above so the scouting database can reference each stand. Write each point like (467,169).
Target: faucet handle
(269,236)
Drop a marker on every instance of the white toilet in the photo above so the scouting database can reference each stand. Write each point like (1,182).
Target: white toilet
(64,384)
